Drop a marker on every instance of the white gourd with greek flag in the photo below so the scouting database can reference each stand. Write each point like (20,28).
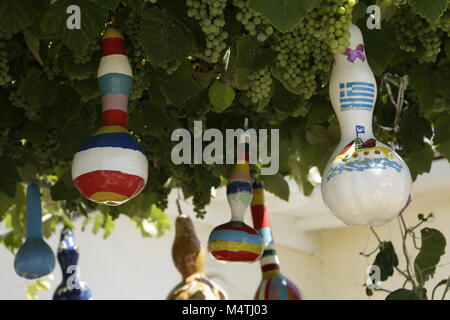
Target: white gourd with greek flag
(365,182)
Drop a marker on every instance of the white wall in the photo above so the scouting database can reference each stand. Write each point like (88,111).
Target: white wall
(127,266)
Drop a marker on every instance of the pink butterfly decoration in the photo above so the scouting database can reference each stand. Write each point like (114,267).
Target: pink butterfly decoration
(352,55)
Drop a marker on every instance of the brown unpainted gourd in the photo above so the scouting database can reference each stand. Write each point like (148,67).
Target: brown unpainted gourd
(189,258)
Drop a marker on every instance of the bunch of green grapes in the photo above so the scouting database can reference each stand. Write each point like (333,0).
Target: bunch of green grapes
(5,78)
(52,70)
(301,58)
(171,66)
(84,56)
(211,18)
(260,84)
(334,17)
(31,112)
(136,56)
(45,153)
(444,23)
(412,30)
(253,21)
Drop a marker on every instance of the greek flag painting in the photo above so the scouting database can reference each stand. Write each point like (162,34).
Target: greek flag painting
(360,130)
(357,95)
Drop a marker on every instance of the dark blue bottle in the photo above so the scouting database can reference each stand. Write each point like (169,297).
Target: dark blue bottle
(71,288)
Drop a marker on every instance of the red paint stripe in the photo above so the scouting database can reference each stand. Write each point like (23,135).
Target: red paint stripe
(235,255)
(113,46)
(109,181)
(267,291)
(260,216)
(230,227)
(269,267)
(115,117)
(243,155)
(293,292)
(346,148)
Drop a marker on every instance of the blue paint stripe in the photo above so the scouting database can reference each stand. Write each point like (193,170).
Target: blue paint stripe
(117,140)
(239,186)
(362,89)
(351,84)
(355,105)
(265,234)
(342,85)
(282,288)
(342,94)
(234,235)
(359,94)
(117,83)
(357,100)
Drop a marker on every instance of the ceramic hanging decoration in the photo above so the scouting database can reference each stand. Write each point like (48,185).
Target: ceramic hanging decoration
(189,258)
(235,241)
(274,285)
(365,182)
(71,288)
(111,167)
(35,258)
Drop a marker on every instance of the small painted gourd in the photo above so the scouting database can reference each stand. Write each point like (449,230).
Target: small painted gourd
(273,285)
(365,182)
(111,168)
(189,259)
(236,241)
(35,258)
(71,287)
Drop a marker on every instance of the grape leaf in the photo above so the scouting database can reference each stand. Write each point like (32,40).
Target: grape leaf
(419,160)
(283,14)
(386,260)
(179,86)
(421,79)
(60,191)
(442,135)
(250,54)
(221,96)
(18,15)
(277,185)
(429,9)
(402,294)
(93,18)
(163,38)
(431,251)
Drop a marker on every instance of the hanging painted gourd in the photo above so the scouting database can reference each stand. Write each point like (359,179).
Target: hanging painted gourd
(365,182)
(274,285)
(235,241)
(71,288)
(189,258)
(35,258)
(111,167)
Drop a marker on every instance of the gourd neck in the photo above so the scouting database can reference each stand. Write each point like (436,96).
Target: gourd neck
(270,264)
(34,213)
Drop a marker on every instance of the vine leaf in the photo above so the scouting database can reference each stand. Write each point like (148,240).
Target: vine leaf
(163,38)
(419,160)
(430,9)
(250,54)
(277,185)
(93,17)
(18,15)
(421,79)
(386,260)
(442,135)
(283,14)
(403,294)
(431,250)
(221,96)
(60,191)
